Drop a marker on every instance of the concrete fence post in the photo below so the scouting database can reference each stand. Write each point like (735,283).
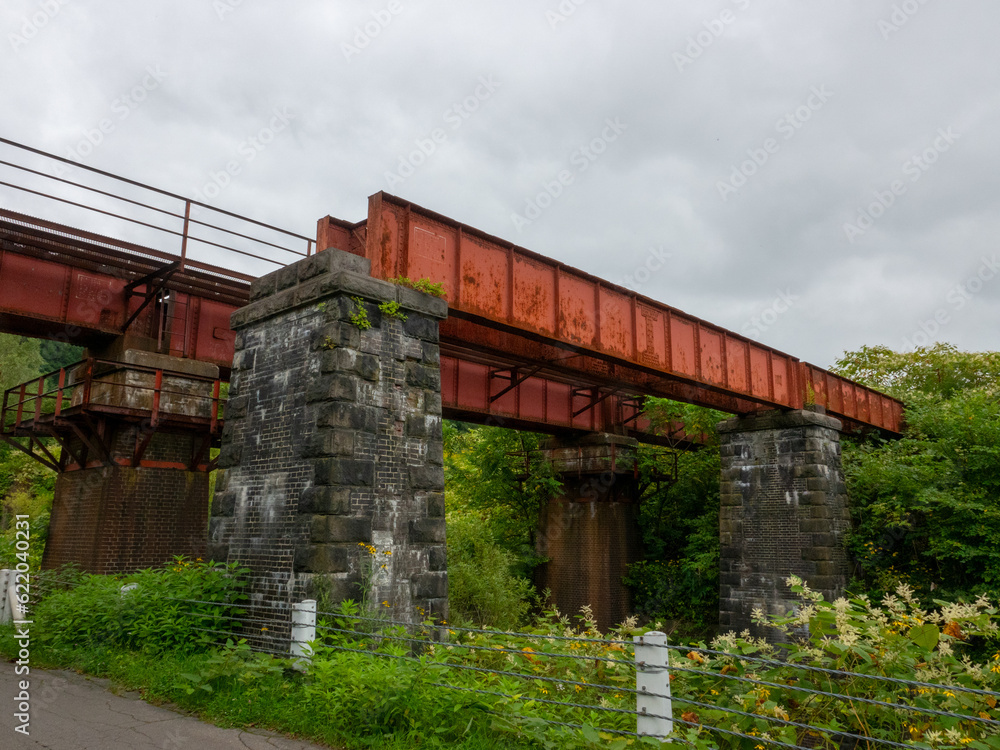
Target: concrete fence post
(6,603)
(303,630)
(652,681)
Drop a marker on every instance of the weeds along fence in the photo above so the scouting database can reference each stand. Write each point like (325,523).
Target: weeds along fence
(556,681)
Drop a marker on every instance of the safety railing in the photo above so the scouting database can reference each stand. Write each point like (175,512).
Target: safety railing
(98,384)
(130,210)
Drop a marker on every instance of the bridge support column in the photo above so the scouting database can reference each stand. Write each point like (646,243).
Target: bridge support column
(783,512)
(135,490)
(591,532)
(333,444)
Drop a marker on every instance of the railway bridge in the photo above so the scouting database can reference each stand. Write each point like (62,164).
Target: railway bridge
(341,369)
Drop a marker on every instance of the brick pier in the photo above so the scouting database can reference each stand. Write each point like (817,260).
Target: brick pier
(591,533)
(125,509)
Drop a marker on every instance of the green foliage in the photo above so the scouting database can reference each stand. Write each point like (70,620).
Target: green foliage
(385,689)
(499,475)
(56,354)
(26,488)
(421,285)
(940,371)
(391,310)
(679,579)
(360,315)
(153,616)
(926,507)
(481,585)
(234,662)
(20,360)
(682,422)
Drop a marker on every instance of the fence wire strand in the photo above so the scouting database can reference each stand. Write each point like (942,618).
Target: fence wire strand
(239,615)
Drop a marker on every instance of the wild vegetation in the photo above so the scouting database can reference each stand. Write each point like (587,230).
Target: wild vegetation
(926,564)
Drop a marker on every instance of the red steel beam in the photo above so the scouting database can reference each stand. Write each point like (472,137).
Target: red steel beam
(509,307)
(59,282)
(496,284)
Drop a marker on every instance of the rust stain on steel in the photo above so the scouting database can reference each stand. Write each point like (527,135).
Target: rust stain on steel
(549,302)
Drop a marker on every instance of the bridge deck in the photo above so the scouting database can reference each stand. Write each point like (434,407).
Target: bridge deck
(508,304)
(530,342)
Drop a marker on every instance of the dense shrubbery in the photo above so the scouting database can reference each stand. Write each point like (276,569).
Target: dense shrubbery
(25,489)
(752,690)
(167,609)
(25,485)
(481,587)
(926,508)
(495,483)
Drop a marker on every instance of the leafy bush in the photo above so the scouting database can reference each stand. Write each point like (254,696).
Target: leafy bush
(501,477)
(751,690)
(899,640)
(153,616)
(675,590)
(232,662)
(26,488)
(481,585)
(926,507)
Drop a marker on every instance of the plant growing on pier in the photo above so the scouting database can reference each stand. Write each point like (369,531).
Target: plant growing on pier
(424,285)
(360,315)
(391,310)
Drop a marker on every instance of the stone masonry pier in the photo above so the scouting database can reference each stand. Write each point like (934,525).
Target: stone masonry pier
(783,512)
(333,443)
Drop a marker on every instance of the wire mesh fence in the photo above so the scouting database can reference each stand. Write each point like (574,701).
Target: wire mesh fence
(734,693)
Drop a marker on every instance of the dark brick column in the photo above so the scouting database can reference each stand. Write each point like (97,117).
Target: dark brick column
(783,512)
(591,532)
(333,440)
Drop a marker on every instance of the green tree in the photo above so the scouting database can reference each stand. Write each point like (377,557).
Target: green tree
(56,354)
(20,360)
(25,485)
(679,577)
(496,481)
(502,476)
(926,507)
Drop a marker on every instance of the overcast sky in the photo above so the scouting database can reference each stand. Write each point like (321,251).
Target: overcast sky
(817,174)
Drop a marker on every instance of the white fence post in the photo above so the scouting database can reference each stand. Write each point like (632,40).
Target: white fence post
(652,681)
(303,630)
(6,604)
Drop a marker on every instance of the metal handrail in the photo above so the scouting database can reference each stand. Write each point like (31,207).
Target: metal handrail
(25,394)
(185,215)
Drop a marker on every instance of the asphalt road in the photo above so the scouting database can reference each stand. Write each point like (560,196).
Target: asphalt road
(69,711)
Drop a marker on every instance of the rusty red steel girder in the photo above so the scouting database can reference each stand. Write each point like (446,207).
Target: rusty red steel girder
(554,324)
(530,342)
(65,283)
